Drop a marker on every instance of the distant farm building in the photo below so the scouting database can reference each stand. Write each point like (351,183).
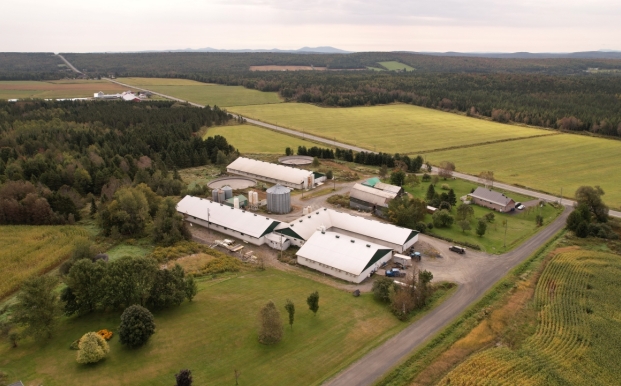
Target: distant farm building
(238,223)
(277,174)
(491,199)
(342,256)
(101,95)
(369,199)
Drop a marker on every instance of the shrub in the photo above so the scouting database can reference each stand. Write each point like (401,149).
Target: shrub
(184,377)
(442,218)
(426,177)
(338,199)
(421,227)
(270,324)
(382,289)
(137,326)
(92,348)
(445,187)
(222,264)
(107,335)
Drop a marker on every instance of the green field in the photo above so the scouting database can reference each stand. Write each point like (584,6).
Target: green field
(577,337)
(391,128)
(547,163)
(254,139)
(520,224)
(215,334)
(394,66)
(205,93)
(56,89)
(32,250)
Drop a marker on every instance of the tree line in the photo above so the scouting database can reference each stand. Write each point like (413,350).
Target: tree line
(54,154)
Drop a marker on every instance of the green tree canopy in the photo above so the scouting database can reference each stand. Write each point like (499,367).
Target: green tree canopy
(37,308)
(137,326)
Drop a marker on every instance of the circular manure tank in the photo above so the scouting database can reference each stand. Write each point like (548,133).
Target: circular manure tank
(235,183)
(296,160)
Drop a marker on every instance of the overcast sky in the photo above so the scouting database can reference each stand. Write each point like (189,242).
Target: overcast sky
(355,25)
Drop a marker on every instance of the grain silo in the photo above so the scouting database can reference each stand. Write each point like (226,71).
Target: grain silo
(214,195)
(278,199)
(228,192)
(221,197)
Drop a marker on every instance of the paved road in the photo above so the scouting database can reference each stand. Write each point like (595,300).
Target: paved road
(69,64)
(374,365)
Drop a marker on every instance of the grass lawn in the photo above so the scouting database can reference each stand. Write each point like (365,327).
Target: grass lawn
(32,250)
(520,224)
(576,337)
(205,93)
(393,66)
(56,89)
(254,139)
(546,163)
(391,128)
(125,249)
(215,334)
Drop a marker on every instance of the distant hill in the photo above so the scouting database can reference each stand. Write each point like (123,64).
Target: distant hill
(303,50)
(602,54)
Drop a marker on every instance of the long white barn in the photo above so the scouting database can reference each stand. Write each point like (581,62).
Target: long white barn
(269,172)
(238,223)
(345,257)
(299,231)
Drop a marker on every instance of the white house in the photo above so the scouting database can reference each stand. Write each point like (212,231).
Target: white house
(342,256)
(238,223)
(269,172)
(394,237)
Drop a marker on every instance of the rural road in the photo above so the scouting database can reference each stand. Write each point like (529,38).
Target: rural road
(378,362)
(69,64)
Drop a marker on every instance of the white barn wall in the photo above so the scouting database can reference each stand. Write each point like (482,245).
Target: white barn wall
(230,232)
(342,274)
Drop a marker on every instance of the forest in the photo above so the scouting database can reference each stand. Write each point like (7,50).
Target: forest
(53,155)
(32,66)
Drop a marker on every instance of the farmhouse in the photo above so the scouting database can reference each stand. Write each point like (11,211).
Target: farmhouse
(369,199)
(269,172)
(235,222)
(345,257)
(301,230)
(491,199)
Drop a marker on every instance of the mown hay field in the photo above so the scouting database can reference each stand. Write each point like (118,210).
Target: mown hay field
(254,139)
(217,333)
(546,163)
(578,331)
(31,250)
(393,66)
(391,128)
(56,89)
(205,93)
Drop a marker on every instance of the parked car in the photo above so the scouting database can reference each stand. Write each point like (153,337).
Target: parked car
(519,206)
(457,249)
(394,272)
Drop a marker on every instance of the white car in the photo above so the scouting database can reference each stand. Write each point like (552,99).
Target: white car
(520,206)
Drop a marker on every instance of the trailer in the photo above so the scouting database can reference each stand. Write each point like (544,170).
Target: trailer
(403,260)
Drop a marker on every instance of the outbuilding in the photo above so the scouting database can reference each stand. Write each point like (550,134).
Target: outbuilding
(342,256)
(277,174)
(239,223)
(492,199)
(369,199)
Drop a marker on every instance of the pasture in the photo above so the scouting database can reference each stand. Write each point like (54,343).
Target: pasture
(205,93)
(216,334)
(520,224)
(56,89)
(577,337)
(255,139)
(395,66)
(391,128)
(32,250)
(546,163)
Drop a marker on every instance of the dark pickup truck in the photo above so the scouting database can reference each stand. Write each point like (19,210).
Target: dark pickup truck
(457,249)
(394,272)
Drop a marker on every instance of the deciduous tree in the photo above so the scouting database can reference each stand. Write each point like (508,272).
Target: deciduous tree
(137,326)
(446,169)
(37,307)
(313,302)
(270,324)
(92,348)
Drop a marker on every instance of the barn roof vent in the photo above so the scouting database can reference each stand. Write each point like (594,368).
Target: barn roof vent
(353,241)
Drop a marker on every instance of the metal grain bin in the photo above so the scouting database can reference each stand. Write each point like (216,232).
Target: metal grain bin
(214,195)
(228,192)
(279,199)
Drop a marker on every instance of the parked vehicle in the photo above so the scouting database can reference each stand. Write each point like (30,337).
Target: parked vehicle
(415,256)
(394,272)
(457,249)
(520,207)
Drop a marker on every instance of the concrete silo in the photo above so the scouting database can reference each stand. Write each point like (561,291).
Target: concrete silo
(279,199)
(228,192)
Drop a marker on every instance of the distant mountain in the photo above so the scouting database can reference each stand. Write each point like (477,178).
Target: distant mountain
(303,50)
(601,54)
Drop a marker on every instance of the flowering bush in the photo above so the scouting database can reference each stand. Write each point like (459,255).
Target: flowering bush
(105,334)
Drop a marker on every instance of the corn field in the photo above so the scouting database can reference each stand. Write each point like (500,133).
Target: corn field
(578,335)
(32,250)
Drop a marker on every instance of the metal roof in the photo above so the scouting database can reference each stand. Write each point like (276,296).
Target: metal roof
(388,188)
(371,195)
(236,219)
(345,253)
(491,196)
(305,226)
(270,170)
(278,189)
(371,181)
